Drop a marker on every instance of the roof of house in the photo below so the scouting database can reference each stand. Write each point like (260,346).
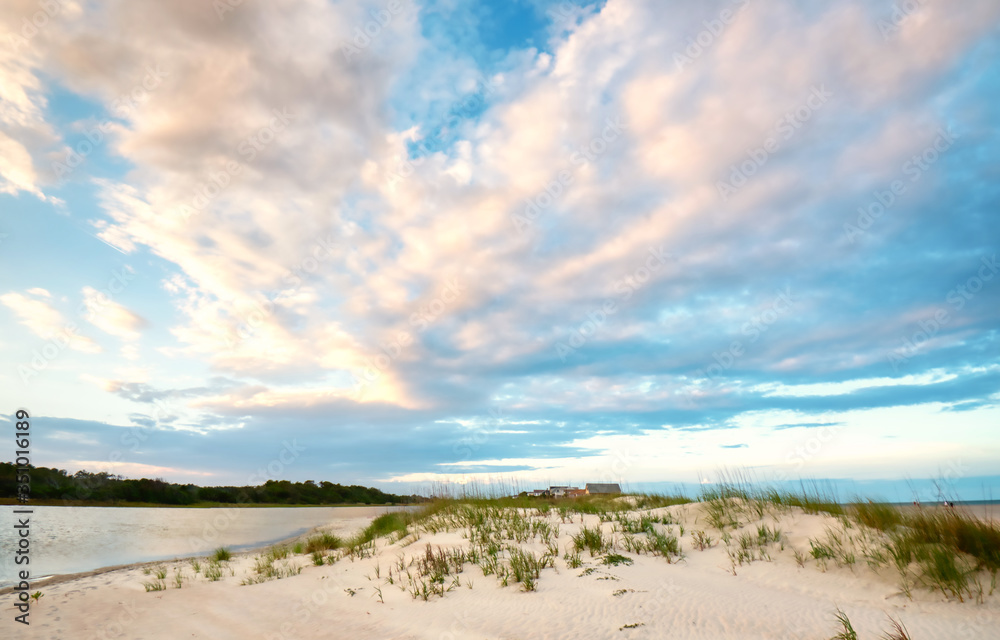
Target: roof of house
(604,488)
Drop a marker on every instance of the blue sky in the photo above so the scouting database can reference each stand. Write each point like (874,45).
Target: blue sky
(409,243)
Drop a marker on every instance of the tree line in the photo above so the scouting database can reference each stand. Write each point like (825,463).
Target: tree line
(56,484)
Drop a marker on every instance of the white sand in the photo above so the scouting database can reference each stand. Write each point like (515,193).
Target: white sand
(698,597)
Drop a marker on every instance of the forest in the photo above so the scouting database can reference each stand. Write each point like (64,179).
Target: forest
(53,485)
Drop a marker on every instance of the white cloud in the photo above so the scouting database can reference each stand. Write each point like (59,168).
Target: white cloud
(110,316)
(16,169)
(28,143)
(46,322)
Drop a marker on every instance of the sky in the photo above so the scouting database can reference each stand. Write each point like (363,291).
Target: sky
(412,243)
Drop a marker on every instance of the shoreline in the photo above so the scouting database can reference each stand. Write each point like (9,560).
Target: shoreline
(239,550)
(59,578)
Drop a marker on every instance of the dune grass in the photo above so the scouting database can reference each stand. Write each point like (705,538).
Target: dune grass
(213,572)
(395,522)
(877,515)
(323,542)
(592,540)
(737,499)
(897,632)
(941,549)
(846,631)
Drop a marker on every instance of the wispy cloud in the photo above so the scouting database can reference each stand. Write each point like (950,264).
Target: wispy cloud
(43,320)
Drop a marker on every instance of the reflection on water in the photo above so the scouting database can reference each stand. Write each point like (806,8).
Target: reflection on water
(73,539)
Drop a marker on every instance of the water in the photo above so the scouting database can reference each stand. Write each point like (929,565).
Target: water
(74,539)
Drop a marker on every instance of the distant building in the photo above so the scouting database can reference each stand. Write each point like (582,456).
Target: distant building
(603,489)
(563,491)
(560,491)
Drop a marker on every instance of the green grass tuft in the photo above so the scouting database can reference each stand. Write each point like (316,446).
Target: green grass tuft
(323,542)
(615,559)
(591,539)
(847,631)
(383,525)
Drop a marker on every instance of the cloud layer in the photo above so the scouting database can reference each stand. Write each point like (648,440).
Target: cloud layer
(376,230)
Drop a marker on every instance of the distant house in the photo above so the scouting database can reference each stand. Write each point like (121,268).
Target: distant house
(603,489)
(560,491)
(538,493)
(576,493)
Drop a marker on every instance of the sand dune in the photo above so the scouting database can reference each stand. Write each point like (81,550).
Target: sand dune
(702,595)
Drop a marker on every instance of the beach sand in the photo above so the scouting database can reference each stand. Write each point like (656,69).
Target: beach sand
(697,597)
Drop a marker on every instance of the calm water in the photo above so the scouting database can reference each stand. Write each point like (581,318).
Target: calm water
(74,539)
